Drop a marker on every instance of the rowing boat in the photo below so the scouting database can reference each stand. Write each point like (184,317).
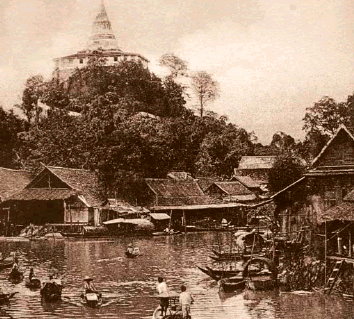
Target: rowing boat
(232,284)
(91,299)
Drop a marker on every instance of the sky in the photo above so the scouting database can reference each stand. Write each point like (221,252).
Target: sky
(272,58)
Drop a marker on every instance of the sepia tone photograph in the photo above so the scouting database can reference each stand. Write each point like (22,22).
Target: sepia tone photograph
(177,159)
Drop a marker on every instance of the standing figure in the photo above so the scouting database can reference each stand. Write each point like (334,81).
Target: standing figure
(185,301)
(163,294)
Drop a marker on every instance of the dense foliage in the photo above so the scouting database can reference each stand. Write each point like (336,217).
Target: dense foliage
(127,123)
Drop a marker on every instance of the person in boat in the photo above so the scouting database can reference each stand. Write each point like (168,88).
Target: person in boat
(185,301)
(89,287)
(163,294)
(130,249)
(15,268)
(224,223)
(31,274)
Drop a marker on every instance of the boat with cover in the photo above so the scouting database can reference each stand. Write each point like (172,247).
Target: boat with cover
(16,276)
(91,299)
(33,283)
(51,291)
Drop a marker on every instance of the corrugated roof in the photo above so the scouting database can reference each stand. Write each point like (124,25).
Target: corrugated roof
(233,188)
(12,181)
(177,192)
(43,194)
(82,180)
(256,162)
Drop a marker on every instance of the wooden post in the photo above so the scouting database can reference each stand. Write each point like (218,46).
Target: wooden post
(350,244)
(325,270)
(184,221)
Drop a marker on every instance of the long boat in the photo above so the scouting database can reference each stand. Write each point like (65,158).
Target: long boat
(232,284)
(218,274)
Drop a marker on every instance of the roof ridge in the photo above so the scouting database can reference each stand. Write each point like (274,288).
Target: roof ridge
(69,168)
(15,170)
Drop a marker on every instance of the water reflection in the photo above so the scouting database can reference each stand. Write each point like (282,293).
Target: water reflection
(128,285)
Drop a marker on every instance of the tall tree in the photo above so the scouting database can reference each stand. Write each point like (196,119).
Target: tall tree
(10,126)
(205,88)
(176,65)
(32,93)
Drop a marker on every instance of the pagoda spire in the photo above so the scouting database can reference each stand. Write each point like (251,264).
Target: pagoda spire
(102,37)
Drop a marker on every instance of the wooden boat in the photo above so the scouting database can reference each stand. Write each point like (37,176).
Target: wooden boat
(91,299)
(34,283)
(51,292)
(15,276)
(163,233)
(232,284)
(259,283)
(6,264)
(218,274)
(4,298)
(260,274)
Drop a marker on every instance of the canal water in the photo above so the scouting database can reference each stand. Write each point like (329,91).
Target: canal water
(128,285)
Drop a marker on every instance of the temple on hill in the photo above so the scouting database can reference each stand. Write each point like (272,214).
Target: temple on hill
(102,42)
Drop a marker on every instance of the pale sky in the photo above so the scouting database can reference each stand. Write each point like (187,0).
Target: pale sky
(272,58)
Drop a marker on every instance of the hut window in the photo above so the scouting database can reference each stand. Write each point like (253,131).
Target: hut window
(81,61)
(115,59)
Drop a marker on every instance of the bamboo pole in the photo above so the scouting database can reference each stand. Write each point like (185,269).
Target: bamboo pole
(325,270)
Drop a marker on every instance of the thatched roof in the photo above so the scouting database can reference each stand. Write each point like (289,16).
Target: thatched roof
(177,175)
(177,192)
(343,212)
(12,181)
(85,181)
(248,181)
(256,162)
(205,182)
(233,188)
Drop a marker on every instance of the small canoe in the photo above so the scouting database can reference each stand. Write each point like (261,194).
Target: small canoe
(34,283)
(5,264)
(92,300)
(261,283)
(4,298)
(232,284)
(162,233)
(16,276)
(218,274)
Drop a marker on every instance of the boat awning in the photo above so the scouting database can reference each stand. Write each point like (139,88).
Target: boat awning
(114,221)
(159,216)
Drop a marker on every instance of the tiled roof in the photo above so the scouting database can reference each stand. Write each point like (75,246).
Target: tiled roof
(349,197)
(43,194)
(233,188)
(12,181)
(256,162)
(177,192)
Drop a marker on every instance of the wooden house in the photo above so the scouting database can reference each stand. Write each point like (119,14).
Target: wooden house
(323,187)
(256,167)
(58,195)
